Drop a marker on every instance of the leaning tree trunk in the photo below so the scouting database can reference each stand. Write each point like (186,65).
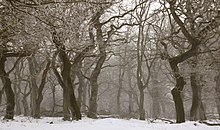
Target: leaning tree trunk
(176,93)
(217,93)
(94,86)
(197,111)
(8,90)
(96,71)
(66,82)
(40,90)
(66,113)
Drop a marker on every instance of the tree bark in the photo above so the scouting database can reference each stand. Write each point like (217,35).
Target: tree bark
(141,105)
(130,95)
(156,104)
(197,111)
(94,86)
(176,93)
(40,90)
(217,93)
(24,99)
(66,113)
(17,101)
(120,84)
(96,71)
(81,86)
(8,90)
(68,92)
(34,87)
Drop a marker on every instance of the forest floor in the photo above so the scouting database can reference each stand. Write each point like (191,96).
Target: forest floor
(54,123)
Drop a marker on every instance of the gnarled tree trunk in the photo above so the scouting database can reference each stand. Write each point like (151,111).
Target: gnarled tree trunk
(176,93)
(69,96)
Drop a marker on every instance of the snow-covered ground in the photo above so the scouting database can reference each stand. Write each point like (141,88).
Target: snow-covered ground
(51,123)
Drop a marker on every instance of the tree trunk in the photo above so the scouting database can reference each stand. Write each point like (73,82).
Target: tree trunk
(176,92)
(197,111)
(156,104)
(8,90)
(120,77)
(141,105)
(40,90)
(54,99)
(217,93)
(180,114)
(118,99)
(25,106)
(34,87)
(17,101)
(94,86)
(81,85)
(24,100)
(66,113)
(96,71)
(66,82)
(130,95)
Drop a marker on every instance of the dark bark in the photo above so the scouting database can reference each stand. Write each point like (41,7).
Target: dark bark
(94,86)
(180,114)
(194,41)
(68,91)
(141,105)
(40,91)
(96,71)
(66,113)
(54,98)
(8,90)
(176,93)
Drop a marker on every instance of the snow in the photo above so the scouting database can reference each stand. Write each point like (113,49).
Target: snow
(54,123)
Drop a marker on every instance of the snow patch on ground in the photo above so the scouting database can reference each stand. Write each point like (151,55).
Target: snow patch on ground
(54,123)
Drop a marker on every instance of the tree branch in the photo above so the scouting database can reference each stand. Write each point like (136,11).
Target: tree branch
(121,16)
